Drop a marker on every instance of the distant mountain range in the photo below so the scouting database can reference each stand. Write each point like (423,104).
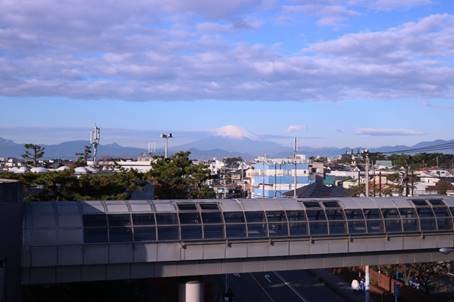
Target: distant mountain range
(67,150)
(205,148)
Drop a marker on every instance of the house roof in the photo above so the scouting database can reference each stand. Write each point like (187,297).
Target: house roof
(318,190)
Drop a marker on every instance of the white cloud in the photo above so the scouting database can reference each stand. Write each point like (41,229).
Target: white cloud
(388,132)
(399,4)
(295,128)
(429,36)
(337,12)
(149,50)
(234,131)
(328,12)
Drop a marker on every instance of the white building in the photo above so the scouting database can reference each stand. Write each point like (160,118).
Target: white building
(272,177)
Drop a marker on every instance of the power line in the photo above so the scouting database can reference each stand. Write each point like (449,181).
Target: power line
(444,146)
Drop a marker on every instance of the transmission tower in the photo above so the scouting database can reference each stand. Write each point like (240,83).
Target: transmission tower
(95,138)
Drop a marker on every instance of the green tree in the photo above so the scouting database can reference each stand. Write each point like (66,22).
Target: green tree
(179,177)
(429,275)
(232,162)
(441,187)
(82,157)
(32,154)
(66,186)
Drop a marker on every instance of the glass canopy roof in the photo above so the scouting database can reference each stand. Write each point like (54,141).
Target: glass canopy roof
(165,221)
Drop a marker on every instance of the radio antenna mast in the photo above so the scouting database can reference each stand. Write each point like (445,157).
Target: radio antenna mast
(95,138)
(151,148)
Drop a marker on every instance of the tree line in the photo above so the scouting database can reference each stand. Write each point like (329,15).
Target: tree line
(174,177)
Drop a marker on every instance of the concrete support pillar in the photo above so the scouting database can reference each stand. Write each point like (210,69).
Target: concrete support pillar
(190,291)
(367,277)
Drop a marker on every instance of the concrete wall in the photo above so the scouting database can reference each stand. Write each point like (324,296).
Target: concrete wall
(11,208)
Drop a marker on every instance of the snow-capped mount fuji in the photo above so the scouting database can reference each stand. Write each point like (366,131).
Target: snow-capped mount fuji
(236,132)
(234,139)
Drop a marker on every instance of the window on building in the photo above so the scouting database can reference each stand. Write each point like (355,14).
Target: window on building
(95,220)
(257,230)
(278,229)
(95,228)
(191,232)
(318,228)
(419,202)
(143,219)
(337,227)
(436,202)
(144,233)
(276,216)
(234,231)
(356,227)
(354,214)
(375,226)
(258,216)
(189,217)
(298,229)
(119,220)
(372,214)
(186,206)
(311,204)
(296,215)
(166,218)
(231,217)
(211,217)
(315,215)
(168,233)
(215,231)
(209,206)
(120,234)
(331,204)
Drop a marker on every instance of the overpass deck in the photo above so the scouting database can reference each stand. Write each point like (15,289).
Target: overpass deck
(76,241)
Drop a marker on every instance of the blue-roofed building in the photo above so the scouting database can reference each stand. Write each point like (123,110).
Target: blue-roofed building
(272,177)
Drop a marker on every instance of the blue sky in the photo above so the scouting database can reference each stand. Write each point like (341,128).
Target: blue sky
(335,73)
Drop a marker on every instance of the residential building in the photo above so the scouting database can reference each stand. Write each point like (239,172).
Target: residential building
(383,165)
(318,190)
(273,177)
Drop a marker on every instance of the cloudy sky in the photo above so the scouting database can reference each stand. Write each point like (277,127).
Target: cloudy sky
(334,72)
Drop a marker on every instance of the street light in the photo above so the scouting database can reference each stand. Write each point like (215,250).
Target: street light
(166,136)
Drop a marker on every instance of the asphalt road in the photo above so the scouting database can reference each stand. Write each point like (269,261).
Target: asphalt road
(281,287)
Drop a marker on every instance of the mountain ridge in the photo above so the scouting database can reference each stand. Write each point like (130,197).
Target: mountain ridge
(205,148)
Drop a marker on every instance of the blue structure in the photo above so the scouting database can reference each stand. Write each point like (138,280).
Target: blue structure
(272,179)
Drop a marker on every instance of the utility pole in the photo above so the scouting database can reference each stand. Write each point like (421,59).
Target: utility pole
(166,136)
(295,174)
(366,267)
(407,189)
(275,179)
(263,179)
(375,182)
(359,182)
(412,189)
(366,153)
(379,183)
